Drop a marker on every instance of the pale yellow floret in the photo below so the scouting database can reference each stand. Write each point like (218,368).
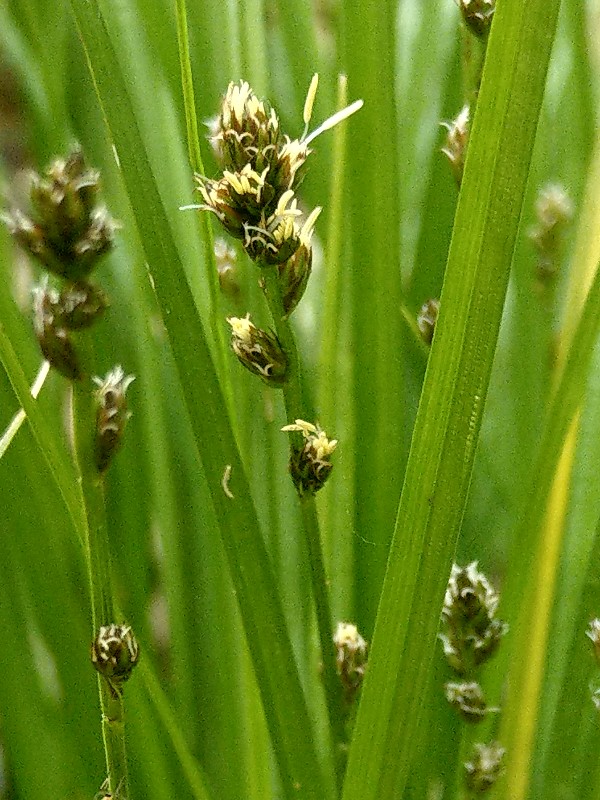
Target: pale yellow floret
(347,636)
(307,428)
(334,120)
(322,446)
(310,99)
(307,229)
(315,437)
(281,222)
(248,181)
(241,102)
(284,230)
(282,210)
(242,328)
(115,379)
(237,98)
(295,150)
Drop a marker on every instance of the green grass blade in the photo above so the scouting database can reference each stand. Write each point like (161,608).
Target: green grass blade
(189,765)
(539,560)
(187,87)
(449,416)
(44,432)
(373,286)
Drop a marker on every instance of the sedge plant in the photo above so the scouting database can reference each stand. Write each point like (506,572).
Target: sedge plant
(337,539)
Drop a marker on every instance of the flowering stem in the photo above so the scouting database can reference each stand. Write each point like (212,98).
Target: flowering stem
(294,406)
(465,739)
(98,563)
(292,389)
(333,687)
(195,159)
(473,56)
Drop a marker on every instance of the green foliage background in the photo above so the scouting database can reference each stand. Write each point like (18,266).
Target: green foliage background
(211,585)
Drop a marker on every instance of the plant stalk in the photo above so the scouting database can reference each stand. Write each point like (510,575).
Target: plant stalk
(294,406)
(99,573)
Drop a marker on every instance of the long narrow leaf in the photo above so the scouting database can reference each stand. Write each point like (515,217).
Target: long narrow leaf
(449,416)
(44,433)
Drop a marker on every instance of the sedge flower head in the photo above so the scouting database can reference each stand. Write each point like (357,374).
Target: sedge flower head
(246,130)
(258,350)
(115,653)
(295,272)
(112,414)
(471,632)
(67,230)
(261,169)
(309,464)
(457,139)
(478,15)
(485,767)
(351,657)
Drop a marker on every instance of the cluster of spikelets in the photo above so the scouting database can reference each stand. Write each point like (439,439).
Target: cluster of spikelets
(255,200)
(68,231)
(471,634)
(255,196)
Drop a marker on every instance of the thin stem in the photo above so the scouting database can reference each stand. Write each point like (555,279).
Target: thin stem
(331,681)
(113,734)
(473,56)
(294,406)
(190,767)
(99,573)
(292,388)
(196,163)
(465,742)
(187,86)
(92,488)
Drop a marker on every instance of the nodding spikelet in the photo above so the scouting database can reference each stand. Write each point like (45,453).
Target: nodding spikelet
(485,767)
(57,313)
(114,653)
(351,658)
(457,140)
(111,416)
(52,334)
(295,272)
(471,632)
(258,350)
(593,634)
(553,211)
(309,464)
(427,319)
(477,15)
(226,262)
